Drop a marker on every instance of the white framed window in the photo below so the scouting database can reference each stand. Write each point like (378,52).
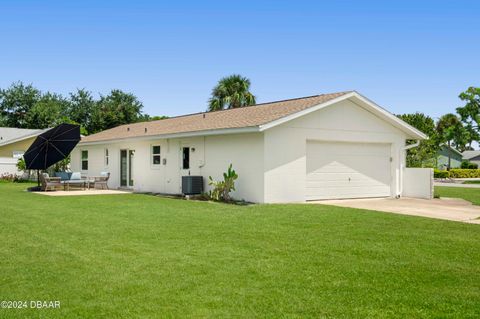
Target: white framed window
(17,154)
(156,158)
(84,160)
(107,157)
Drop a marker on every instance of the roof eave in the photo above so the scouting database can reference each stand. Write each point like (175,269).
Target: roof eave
(248,129)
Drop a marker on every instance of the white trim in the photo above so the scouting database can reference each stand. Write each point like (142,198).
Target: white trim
(249,129)
(381,112)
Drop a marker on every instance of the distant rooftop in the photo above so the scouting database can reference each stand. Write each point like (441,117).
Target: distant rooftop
(9,134)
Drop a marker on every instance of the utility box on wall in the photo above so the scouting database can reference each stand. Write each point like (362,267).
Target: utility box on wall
(192,185)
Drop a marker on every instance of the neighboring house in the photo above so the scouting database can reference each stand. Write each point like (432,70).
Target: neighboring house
(13,143)
(472,157)
(442,157)
(338,145)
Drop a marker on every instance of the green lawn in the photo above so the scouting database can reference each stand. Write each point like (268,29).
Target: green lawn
(470,194)
(127,256)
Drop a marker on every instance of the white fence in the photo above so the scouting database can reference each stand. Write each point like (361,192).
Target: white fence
(418,182)
(8,165)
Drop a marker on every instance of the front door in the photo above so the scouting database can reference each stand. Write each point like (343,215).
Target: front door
(185,161)
(126,168)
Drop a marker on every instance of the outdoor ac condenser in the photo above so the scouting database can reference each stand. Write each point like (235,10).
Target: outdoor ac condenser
(192,185)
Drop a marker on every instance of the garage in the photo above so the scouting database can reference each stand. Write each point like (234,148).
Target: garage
(337,170)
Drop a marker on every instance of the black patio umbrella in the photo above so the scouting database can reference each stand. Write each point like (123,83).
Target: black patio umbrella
(52,146)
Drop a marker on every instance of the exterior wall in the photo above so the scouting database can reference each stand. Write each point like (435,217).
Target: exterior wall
(285,147)
(8,164)
(22,146)
(442,159)
(418,182)
(211,157)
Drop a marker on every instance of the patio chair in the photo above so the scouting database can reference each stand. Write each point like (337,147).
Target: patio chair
(102,180)
(50,183)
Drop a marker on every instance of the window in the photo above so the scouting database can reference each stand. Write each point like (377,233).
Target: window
(186,158)
(18,154)
(107,159)
(156,155)
(84,160)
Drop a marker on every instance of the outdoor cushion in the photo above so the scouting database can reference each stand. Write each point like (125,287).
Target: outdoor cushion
(63,175)
(104,174)
(76,176)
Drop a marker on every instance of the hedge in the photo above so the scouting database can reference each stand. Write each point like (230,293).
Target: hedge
(457,173)
(440,174)
(464,173)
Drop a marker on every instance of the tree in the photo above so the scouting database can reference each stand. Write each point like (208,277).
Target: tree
(48,111)
(451,131)
(231,92)
(115,109)
(16,102)
(470,113)
(425,153)
(81,107)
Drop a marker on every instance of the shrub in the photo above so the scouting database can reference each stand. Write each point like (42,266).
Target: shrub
(221,189)
(10,178)
(468,165)
(440,174)
(464,173)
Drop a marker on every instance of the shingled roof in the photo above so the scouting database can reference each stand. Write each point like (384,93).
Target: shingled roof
(251,116)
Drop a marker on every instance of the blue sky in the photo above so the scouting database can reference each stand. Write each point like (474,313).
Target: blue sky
(406,55)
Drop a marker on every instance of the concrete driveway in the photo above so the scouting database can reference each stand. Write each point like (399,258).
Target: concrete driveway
(446,208)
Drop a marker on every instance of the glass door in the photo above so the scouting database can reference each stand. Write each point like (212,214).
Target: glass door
(126,168)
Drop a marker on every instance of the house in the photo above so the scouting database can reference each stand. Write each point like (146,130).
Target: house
(442,157)
(339,145)
(472,157)
(13,144)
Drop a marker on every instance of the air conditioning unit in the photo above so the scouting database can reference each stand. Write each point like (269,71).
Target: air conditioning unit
(192,185)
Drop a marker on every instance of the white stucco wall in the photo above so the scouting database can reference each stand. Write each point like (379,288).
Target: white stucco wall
(211,157)
(418,183)
(285,146)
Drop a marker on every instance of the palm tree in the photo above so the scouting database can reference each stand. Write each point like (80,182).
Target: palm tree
(231,92)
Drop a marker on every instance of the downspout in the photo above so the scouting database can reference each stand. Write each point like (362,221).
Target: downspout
(400,157)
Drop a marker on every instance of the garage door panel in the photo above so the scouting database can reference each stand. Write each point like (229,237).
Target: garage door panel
(347,170)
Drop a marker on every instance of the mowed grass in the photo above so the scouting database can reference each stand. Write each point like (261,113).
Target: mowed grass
(470,194)
(129,256)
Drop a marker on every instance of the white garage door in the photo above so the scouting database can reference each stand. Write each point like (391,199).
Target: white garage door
(347,170)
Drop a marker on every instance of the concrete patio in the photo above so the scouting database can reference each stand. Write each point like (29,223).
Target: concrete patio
(84,192)
(453,209)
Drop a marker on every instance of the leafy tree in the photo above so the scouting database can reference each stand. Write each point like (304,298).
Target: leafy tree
(425,153)
(48,111)
(231,92)
(81,107)
(451,131)
(115,109)
(16,102)
(470,113)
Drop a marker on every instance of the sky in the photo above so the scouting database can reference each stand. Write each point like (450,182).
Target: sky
(407,56)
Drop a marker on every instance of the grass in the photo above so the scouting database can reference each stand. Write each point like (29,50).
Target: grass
(471,182)
(470,194)
(127,256)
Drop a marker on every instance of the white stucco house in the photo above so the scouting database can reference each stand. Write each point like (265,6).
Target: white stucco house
(329,146)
